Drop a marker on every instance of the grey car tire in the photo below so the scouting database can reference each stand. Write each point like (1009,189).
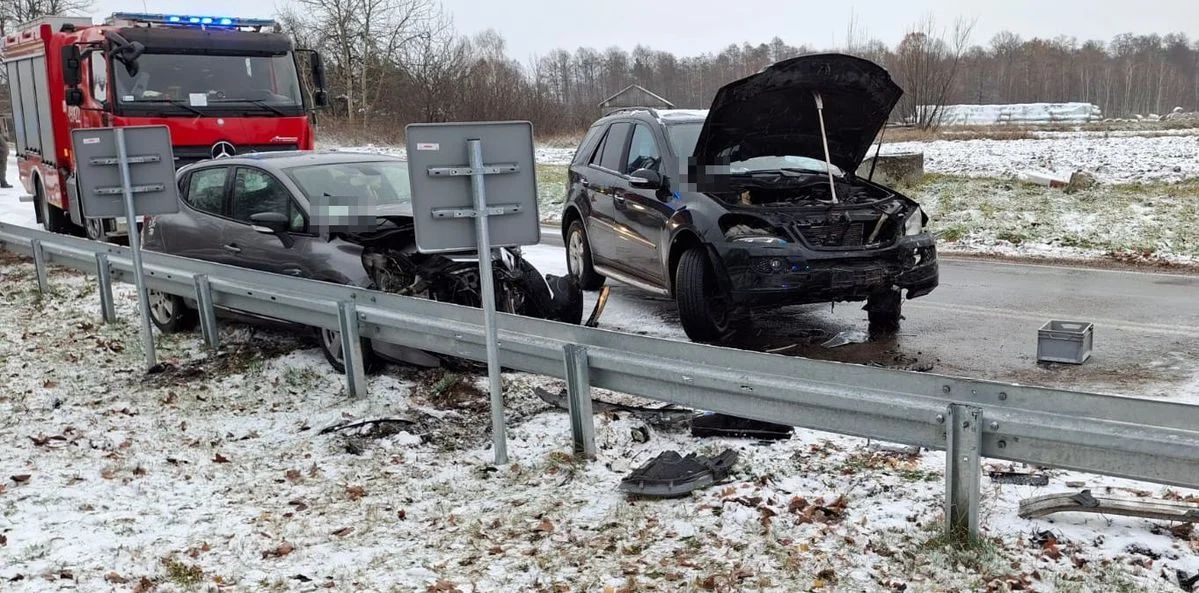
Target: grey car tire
(578,257)
(169,313)
(330,341)
(704,309)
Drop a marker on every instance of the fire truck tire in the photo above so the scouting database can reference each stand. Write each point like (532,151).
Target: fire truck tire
(54,219)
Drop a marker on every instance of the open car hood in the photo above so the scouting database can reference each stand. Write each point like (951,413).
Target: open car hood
(773,112)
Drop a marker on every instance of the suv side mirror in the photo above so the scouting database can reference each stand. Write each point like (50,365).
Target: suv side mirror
(645,179)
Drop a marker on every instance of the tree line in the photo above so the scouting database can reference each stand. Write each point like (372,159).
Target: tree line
(393,62)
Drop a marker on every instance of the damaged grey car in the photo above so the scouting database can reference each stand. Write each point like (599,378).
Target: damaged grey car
(336,217)
(753,203)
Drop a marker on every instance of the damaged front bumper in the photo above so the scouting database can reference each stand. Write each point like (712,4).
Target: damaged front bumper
(793,275)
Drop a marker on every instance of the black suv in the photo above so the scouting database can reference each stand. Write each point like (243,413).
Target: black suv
(752,203)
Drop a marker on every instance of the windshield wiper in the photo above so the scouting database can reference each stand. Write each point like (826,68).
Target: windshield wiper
(258,102)
(175,102)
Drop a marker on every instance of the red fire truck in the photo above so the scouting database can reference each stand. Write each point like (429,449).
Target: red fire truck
(222,85)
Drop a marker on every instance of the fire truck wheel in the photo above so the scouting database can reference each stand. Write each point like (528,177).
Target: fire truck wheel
(95,229)
(169,313)
(54,219)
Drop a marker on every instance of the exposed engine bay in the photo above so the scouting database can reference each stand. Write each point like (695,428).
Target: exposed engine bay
(395,265)
(861,217)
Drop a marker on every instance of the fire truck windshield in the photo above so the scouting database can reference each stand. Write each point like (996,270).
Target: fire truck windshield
(184,84)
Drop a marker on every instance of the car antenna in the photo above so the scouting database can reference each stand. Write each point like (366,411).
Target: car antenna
(877,151)
(828,161)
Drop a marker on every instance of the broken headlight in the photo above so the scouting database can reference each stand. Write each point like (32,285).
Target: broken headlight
(747,234)
(915,223)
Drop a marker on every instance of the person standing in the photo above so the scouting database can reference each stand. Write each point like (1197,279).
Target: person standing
(4,160)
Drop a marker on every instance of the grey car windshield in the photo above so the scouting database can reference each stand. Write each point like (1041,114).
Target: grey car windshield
(683,138)
(200,81)
(362,185)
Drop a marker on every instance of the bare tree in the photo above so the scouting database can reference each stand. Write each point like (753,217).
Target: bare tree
(928,67)
(15,12)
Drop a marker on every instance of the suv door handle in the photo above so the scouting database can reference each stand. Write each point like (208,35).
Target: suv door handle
(232,247)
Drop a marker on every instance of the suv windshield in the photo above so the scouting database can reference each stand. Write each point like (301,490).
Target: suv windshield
(683,138)
(259,84)
(362,184)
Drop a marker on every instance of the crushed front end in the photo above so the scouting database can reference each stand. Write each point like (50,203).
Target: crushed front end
(788,247)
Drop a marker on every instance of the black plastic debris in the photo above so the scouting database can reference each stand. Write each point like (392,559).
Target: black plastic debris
(1023,479)
(723,425)
(670,475)
(1085,500)
(1187,583)
(566,299)
(668,416)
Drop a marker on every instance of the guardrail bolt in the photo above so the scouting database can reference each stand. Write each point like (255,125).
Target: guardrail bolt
(966,424)
(994,426)
(940,418)
(946,389)
(1002,396)
(1002,444)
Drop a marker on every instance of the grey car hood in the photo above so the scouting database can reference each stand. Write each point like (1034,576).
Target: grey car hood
(773,112)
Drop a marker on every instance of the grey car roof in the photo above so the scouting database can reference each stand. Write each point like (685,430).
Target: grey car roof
(293,158)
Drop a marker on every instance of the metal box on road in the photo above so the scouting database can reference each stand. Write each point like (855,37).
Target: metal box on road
(1069,342)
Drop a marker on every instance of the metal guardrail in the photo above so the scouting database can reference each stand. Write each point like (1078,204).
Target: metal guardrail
(1149,440)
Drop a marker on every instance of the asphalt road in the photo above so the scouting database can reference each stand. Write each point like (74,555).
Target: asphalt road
(982,321)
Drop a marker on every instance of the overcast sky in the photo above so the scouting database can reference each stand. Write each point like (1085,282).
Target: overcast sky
(690,27)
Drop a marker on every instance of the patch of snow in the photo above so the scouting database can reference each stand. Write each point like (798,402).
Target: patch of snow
(1016,113)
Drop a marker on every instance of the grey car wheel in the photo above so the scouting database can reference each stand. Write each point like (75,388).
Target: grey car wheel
(578,257)
(169,313)
(330,340)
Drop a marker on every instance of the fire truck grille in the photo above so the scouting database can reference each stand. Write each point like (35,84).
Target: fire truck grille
(186,155)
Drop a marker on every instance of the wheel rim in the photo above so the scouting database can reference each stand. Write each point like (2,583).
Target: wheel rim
(575,253)
(95,228)
(332,341)
(162,307)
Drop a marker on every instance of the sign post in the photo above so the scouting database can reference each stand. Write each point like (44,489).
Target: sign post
(130,172)
(450,197)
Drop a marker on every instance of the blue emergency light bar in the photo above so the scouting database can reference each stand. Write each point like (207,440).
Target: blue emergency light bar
(191,20)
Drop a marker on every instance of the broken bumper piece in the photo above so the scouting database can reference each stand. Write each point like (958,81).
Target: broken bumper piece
(670,475)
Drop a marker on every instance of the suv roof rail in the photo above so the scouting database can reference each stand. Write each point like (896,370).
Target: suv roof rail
(652,111)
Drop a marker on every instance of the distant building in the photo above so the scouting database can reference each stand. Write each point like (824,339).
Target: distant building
(634,95)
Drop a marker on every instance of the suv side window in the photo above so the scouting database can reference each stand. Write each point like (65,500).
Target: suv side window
(256,191)
(643,152)
(614,146)
(206,190)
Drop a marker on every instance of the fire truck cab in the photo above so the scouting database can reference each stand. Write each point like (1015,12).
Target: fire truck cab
(222,85)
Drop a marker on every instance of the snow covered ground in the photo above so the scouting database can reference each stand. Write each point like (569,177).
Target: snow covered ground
(216,476)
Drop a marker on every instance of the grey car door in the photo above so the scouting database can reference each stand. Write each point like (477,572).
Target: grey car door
(192,231)
(256,191)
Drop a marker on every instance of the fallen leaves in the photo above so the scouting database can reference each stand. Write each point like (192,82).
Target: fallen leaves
(293,475)
(3,540)
(113,577)
(344,531)
(21,478)
(220,459)
(443,586)
(279,551)
(298,504)
(546,526)
(355,493)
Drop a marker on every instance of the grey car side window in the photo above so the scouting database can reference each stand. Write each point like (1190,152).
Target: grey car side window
(256,191)
(206,190)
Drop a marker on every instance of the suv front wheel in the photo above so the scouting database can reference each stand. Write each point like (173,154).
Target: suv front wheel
(704,309)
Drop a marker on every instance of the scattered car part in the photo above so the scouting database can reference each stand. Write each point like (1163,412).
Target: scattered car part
(670,475)
(600,303)
(368,423)
(667,416)
(1187,583)
(1085,502)
(723,425)
(1019,478)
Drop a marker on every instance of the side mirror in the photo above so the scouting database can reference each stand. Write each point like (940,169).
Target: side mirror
(645,179)
(74,97)
(270,223)
(72,62)
(320,98)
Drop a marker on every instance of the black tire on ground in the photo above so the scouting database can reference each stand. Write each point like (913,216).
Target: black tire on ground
(330,342)
(538,300)
(885,310)
(578,257)
(704,308)
(170,314)
(54,220)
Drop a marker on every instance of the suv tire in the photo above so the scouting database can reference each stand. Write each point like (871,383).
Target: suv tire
(169,313)
(330,341)
(704,309)
(578,257)
(884,310)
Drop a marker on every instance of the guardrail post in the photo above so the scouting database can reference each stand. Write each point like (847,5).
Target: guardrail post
(108,308)
(351,348)
(39,264)
(207,312)
(963,467)
(578,398)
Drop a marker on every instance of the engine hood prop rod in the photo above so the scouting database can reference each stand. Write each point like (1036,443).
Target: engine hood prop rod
(828,160)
